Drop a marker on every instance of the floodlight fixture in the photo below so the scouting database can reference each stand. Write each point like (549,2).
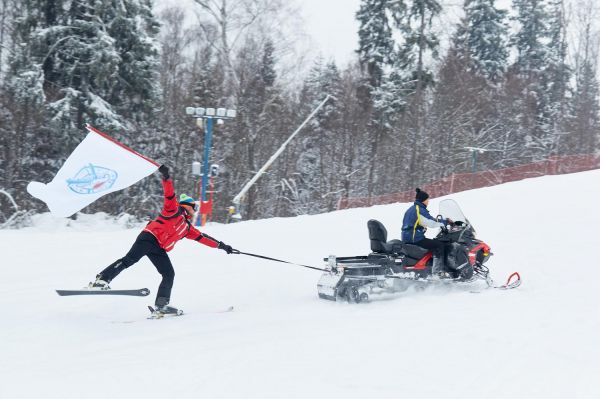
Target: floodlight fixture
(210,112)
(221,112)
(196,168)
(200,111)
(190,110)
(231,113)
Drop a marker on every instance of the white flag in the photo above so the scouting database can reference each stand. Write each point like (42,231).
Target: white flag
(98,166)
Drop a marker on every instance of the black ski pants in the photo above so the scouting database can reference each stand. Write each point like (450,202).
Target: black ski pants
(438,248)
(146,245)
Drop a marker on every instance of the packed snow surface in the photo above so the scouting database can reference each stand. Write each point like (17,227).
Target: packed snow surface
(538,341)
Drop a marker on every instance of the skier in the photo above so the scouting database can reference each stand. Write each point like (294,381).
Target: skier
(159,237)
(415,223)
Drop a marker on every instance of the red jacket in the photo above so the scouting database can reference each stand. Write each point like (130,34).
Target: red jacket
(172,225)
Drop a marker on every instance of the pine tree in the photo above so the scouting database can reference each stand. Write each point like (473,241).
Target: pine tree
(97,61)
(532,16)
(526,84)
(481,39)
(584,128)
(80,62)
(30,149)
(555,80)
(134,29)
(6,20)
(420,43)
(375,42)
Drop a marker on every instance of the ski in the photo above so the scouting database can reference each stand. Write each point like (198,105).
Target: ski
(88,291)
(154,314)
(224,310)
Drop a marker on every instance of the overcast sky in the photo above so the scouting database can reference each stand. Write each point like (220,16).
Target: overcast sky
(333,27)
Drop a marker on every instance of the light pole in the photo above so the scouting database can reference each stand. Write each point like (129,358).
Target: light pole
(208,115)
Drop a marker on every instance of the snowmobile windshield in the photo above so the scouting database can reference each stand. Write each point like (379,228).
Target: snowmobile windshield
(450,209)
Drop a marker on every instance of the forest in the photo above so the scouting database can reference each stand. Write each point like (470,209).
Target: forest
(520,82)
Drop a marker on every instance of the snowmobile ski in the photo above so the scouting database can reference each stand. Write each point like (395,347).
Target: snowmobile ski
(88,291)
(513,281)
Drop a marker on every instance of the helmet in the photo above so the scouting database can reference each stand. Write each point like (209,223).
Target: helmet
(187,200)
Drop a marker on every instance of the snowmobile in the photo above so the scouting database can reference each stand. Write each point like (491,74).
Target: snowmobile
(394,266)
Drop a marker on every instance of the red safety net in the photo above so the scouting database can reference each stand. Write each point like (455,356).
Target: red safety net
(556,165)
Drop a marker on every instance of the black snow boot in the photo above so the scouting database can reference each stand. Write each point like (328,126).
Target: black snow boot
(161,304)
(437,268)
(465,271)
(162,308)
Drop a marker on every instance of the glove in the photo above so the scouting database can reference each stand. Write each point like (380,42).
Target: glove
(225,247)
(459,223)
(164,171)
(449,221)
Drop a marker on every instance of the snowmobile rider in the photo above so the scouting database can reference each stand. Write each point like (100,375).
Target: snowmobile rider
(159,237)
(415,223)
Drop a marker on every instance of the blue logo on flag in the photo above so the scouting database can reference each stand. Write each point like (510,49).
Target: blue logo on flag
(92,179)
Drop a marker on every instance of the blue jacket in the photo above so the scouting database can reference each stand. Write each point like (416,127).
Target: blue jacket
(415,223)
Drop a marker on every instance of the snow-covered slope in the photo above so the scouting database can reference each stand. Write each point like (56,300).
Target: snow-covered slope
(539,341)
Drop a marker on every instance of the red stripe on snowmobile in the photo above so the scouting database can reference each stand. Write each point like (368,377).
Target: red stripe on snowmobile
(422,264)
(473,252)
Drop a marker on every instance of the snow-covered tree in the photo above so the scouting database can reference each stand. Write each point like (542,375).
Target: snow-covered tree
(419,41)
(96,61)
(526,81)
(532,18)
(584,131)
(79,62)
(482,38)
(375,42)
(6,19)
(247,147)
(312,185)
(234,20)
(414,63)
(555,80)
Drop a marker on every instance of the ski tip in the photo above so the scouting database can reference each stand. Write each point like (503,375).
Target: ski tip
(151,309)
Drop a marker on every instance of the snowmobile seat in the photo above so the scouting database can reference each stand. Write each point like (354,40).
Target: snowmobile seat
(378,237)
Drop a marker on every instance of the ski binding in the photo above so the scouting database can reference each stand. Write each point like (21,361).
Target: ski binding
(158,314)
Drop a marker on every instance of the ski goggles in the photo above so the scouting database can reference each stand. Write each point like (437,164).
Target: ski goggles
(192,205)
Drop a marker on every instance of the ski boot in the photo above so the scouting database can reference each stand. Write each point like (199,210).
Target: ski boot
(162,308)
(99,284)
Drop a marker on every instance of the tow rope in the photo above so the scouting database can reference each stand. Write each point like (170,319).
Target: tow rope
(235,251)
